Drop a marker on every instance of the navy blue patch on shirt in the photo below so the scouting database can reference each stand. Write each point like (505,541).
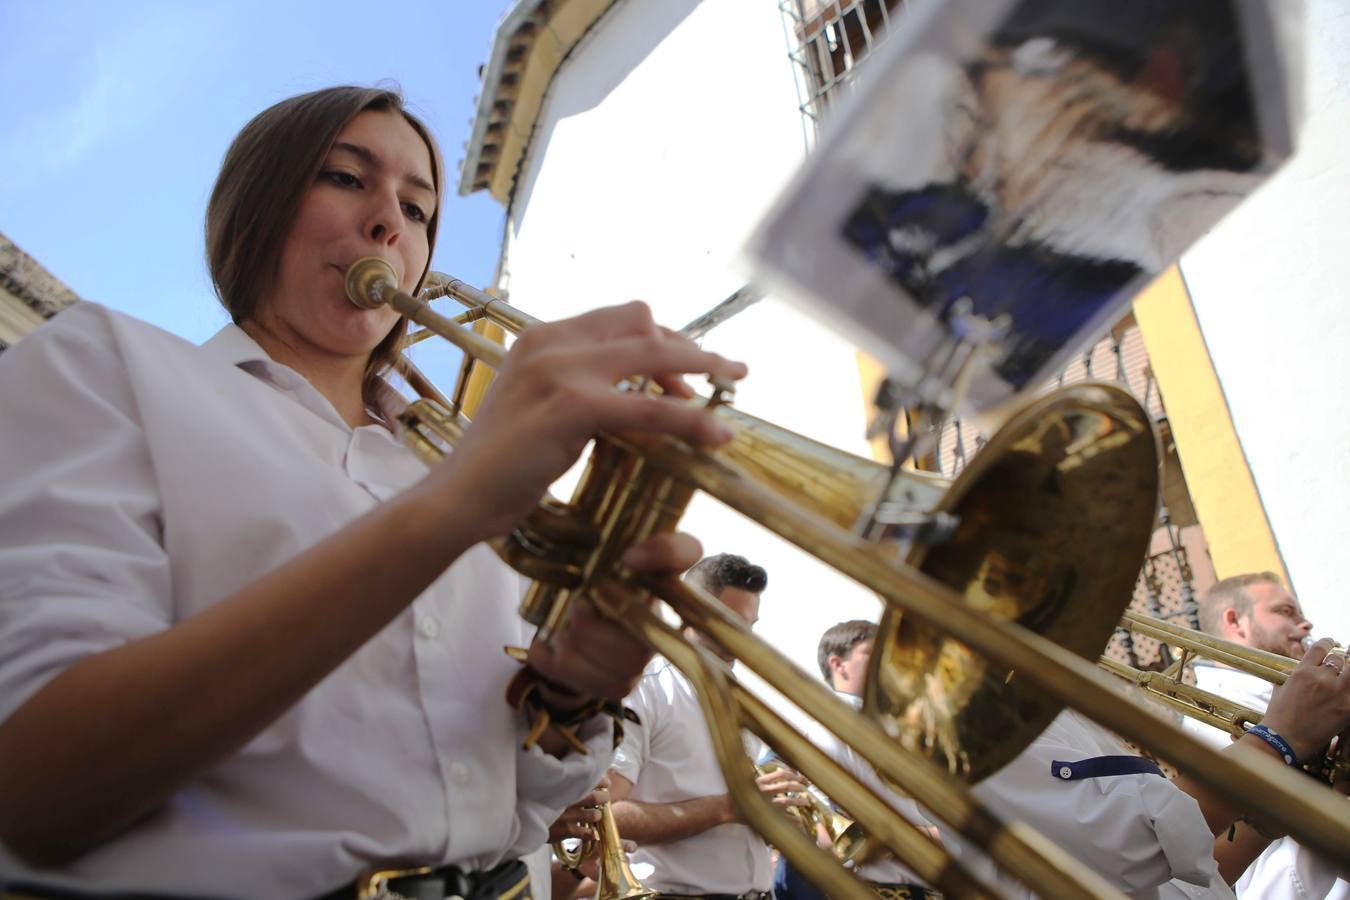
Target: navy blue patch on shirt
(1102,767)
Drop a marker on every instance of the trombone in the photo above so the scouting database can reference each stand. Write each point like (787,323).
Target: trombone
(958,656)
(1168,688)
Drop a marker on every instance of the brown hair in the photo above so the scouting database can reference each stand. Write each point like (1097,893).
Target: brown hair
(268,168)
(717,573)
(839,640)
(1231,593)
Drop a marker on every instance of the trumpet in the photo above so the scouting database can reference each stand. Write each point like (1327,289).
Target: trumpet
(985,636)
(616,880)
(1168,688)
(817,818)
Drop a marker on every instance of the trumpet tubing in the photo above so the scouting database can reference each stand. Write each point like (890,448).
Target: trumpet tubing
(1168,688)
(615,880)
(996,624)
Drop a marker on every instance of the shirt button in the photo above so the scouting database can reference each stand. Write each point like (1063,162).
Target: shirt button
(1065,772)
(459,773)
(430,627)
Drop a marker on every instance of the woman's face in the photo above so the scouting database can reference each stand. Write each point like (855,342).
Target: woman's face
(373,196)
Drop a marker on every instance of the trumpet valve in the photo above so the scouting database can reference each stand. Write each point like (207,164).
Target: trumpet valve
(723,391)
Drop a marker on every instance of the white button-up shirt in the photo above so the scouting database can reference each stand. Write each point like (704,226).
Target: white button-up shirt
(142,479)
(1285,870)
(670,758)
(1231,684)
(1140,832)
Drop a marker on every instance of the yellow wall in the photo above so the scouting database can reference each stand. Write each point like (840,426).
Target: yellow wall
(1217,475)
(481,376)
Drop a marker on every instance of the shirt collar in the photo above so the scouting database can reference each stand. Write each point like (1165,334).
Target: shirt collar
(233,346)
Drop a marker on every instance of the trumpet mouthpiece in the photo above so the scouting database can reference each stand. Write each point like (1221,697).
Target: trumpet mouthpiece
(370,282)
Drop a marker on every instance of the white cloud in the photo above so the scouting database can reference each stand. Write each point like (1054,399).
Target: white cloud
(108,83)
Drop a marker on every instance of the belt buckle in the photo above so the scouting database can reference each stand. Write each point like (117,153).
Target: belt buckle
(373,883)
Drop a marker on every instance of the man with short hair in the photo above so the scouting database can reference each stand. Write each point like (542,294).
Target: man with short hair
(1256,610)
(667,790)
(843,654)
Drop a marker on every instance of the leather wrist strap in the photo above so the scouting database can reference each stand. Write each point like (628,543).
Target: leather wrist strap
(524,696)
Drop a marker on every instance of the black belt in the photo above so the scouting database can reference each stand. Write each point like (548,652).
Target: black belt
(748,895)
(38,892)
(508,881)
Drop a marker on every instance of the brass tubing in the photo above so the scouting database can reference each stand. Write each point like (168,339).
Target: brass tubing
(1268,666)
(934,865)
(466,368)
(489,352)
(1017,848)
(713,691)
(1285,797)
(495,308)
(1207,707)
(1271,792)
(421,383)
(371,283)
(1195,702)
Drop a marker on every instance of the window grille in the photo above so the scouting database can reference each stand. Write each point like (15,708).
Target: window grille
(830,39)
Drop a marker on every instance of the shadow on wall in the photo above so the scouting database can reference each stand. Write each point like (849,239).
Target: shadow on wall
(593,73)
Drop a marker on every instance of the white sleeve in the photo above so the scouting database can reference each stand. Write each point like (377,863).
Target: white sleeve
(1138,831)
(540,864)
(635,749)
(82,566)
(1287,869)
(546,785)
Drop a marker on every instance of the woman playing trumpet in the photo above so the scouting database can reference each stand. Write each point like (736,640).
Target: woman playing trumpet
(252,646)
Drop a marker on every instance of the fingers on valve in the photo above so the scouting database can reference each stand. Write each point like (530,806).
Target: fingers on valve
(1317,654)
(649,412)
(657,355)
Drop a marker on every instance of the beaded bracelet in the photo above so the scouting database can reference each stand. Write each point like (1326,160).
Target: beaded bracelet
(1280,745)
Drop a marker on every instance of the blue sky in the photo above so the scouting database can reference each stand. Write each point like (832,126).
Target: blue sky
(118,114)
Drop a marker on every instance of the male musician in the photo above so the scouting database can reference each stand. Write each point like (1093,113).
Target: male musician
(1256,610)
(667,789)
(1149,836)
(843,654)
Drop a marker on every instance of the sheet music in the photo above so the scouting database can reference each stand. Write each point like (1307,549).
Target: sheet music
(1044,158)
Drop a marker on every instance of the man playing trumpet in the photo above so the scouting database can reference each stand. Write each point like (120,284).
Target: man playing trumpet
(1255,610)
(667,789)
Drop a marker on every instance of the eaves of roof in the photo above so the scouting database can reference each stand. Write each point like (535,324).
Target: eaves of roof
(532,41)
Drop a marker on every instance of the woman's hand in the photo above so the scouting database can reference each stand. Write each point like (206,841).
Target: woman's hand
(595,656)
(556,390)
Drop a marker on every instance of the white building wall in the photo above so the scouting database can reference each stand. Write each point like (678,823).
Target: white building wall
(663,138)
(1271,290)
(671,127)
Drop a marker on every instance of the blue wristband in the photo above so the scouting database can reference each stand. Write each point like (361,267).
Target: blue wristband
(1280,744)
